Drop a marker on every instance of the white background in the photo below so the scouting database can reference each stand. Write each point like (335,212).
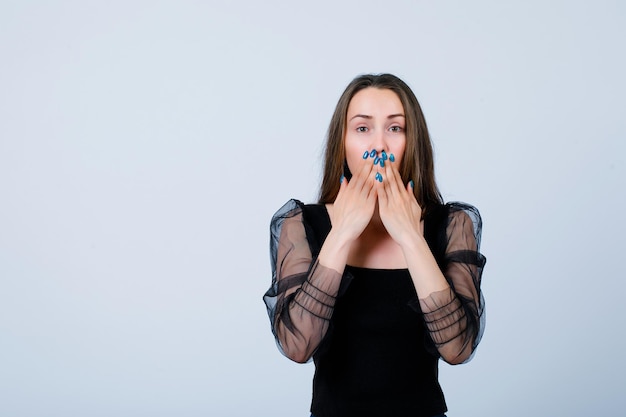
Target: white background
(144,146)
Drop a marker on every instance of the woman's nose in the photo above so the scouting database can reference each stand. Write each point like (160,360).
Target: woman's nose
(379,142)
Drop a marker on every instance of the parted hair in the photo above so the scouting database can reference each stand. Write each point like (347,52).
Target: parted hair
(417,161)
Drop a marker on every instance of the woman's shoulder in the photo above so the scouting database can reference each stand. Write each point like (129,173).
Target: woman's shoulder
(289,208)
(294,207)
(464,217)
(313,218)
(459,209)
(453,209)
(441,217)
(455,206)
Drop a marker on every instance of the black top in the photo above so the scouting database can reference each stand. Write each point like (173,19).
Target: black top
(373,340)
(373,360)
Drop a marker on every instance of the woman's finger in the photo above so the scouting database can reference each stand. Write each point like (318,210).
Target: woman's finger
(391,180)
(361,175)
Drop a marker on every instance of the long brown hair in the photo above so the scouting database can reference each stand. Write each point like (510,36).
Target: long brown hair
(417,161)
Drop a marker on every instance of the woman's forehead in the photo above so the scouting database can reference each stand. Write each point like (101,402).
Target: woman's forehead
(375,102)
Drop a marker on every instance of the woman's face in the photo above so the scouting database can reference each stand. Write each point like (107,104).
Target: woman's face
(375,120)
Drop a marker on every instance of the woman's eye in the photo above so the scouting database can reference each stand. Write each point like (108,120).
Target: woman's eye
(395,129)
(361,129)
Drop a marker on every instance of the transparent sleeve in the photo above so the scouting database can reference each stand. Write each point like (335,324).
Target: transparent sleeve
(302,296)
(455,317)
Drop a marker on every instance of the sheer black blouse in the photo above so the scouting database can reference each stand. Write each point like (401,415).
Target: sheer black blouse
(373,340)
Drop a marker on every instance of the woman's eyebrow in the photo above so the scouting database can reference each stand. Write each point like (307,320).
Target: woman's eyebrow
(366,116)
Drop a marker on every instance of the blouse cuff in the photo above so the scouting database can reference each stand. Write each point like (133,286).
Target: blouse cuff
(315,295)
(444,316)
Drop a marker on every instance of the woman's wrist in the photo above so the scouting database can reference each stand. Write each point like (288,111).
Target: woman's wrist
(424,270)
(411,241)
(335,250)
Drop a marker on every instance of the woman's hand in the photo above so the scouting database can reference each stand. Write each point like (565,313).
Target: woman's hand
(399,211)
(355,203)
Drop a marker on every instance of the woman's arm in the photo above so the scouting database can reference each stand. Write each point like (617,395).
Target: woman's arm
(449,297)
(302,297)
(304,291)
(453,313)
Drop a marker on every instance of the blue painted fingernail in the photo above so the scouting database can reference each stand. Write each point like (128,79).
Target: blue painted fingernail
(381,163)
(366,154)
(373,153)
(378,177)
(376,160)
(341,179)
(384,156)
(411,183)
(392,158)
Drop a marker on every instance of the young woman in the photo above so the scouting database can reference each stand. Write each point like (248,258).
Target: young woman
(380,279)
